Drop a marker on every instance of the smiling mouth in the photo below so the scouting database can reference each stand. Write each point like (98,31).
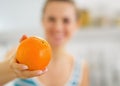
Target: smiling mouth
(58,36)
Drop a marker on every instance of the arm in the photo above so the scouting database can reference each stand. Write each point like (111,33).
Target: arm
(6,74)
(85,75)
(10,69)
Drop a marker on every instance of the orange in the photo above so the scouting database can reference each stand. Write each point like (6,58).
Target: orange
(34,52)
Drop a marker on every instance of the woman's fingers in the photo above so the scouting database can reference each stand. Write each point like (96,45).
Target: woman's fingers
(29,74)
(45,70)
(19,66)
(22,71)
(23,38)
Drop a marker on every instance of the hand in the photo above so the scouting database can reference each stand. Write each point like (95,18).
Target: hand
(21,70)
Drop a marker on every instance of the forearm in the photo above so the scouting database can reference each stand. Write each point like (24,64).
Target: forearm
(6,74)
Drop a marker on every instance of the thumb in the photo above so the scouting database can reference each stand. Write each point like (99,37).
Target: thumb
(23,38)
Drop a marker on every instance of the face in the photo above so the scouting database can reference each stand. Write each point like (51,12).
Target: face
(59,22)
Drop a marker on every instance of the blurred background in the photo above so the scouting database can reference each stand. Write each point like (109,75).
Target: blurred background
(97,40)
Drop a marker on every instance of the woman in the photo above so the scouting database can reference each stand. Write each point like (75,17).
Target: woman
(60,23)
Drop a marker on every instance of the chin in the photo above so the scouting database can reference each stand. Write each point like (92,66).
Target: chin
(57,43)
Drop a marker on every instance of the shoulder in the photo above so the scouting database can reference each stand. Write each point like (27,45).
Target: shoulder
(84,65)
(84,81)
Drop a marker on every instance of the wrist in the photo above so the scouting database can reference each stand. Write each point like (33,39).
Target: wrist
(11,72)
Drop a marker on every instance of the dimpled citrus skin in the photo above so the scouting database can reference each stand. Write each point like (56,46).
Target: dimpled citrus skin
(34,52)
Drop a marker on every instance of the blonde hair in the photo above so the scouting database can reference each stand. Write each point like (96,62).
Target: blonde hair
(67,1)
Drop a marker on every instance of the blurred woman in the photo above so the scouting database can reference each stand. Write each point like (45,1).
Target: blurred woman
(60,23)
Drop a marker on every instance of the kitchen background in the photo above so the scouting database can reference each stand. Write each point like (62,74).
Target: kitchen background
(97,40)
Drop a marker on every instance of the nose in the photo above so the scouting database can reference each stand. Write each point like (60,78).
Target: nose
(58,26)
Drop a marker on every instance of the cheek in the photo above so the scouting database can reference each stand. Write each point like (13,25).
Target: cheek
(70,31)
(48,32)
(48,25)
(47,28)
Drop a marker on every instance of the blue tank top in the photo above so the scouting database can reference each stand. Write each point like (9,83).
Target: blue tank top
(74,79)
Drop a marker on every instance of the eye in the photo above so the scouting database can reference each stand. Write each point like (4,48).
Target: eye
(51,19)
(66,20)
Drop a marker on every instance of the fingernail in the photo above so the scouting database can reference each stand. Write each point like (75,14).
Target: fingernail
(39,72)
(25,67)
(46,70)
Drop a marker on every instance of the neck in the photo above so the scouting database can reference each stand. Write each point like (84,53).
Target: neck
(57,52)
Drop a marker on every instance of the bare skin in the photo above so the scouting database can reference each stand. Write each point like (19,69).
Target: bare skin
(10,69)
(6,74)
(61,67)
(60,23)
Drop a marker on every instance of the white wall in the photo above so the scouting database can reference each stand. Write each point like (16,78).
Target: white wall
(20,14)
(24,14)
(18,17)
